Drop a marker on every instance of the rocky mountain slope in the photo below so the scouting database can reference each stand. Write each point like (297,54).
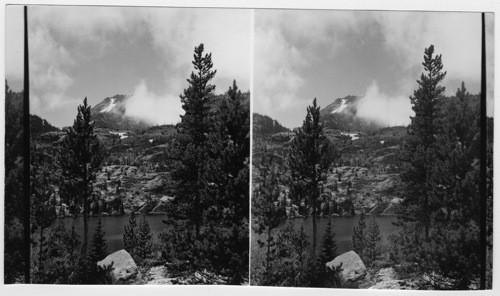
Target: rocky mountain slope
(341,115)
(364,174)
(135,174)
(110,113)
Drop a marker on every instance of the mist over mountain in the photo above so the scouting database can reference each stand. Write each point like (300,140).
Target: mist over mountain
(111,113)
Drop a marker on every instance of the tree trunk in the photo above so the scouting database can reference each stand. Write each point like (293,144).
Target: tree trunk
(40,252)
(268,256)
(85,227)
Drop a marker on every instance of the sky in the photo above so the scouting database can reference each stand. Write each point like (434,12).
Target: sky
(326,54)
(298,55)
(98,52)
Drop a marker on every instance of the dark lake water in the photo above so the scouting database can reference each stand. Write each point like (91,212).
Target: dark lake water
(343,228)
(113,227)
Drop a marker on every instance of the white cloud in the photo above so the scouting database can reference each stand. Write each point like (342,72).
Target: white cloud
(457,36)
(62,38)
(49,78)
(286,44)
(153,108)
(276,70)
(383,109)
(224,32)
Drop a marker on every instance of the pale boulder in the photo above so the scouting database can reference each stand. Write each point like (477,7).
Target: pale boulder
(353,268)
(124,267)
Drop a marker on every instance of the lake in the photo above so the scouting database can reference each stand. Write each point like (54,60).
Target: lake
(342,226)
(113,227)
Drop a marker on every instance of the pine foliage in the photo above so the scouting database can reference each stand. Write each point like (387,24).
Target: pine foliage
(309,160)
(144,245)
(80,159)
(358,236)
(373,242)
(328,244)
(130,235)
(98,246)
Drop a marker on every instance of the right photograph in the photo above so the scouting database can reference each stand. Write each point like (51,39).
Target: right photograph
(372,154)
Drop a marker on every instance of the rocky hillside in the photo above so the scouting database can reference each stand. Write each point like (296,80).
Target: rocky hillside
(364,174)
(135,174)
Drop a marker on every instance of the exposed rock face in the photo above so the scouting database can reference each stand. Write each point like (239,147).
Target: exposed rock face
(353,268)
(124,267)
(156,184)
(162,204)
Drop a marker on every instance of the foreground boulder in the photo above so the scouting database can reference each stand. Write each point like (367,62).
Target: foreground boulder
(353,268)
(124,267)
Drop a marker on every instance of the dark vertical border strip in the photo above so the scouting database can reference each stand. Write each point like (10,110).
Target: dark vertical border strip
(26,150)
(482,187)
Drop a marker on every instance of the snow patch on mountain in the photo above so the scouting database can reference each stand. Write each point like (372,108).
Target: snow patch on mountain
(354,136)
(111,105)
(341,107)
(123,135)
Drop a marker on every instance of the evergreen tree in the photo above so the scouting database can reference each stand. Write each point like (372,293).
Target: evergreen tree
(14,241)
(193,130)
(373,248)
(80,159)
(328,244)
(418,149)
(440,215)
(309,161)
(452,249)
(358,236)
(129,235)
(227,176)
(42,192)
(268,211)
(144,244)
(98,247)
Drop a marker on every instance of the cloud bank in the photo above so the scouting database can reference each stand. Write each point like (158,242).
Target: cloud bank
(383,109)
(290,45)
(62,39)
(153,108)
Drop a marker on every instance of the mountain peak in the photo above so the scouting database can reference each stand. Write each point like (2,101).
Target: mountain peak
(110,113)
(346,104)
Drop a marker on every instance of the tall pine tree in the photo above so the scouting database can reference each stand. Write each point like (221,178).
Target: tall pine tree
(328,244)
(130,235)
(309,160)
(80,159)
(98,246)
(190,150)
(43,203)
(227,177)
(144,245)
(419,146)
(373,247)
(268,211)
(358,236)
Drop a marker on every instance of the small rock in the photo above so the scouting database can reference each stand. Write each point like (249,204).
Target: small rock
(386,274)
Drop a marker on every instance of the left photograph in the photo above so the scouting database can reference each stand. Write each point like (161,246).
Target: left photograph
(139,145)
